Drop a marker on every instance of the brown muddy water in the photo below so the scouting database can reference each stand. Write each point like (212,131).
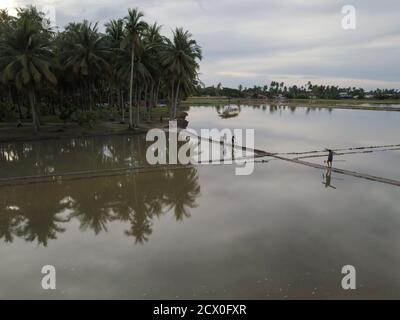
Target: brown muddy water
(201,231)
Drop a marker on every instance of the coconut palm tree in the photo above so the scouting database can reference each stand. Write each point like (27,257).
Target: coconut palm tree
(153,43)
(6,22)
(134,28)
(179,58)
(87,54)
(26,60)
(140,75)
(115,34)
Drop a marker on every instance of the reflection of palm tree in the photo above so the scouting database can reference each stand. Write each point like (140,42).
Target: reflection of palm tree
(34,218)
(135,198)
(96,220)
(155,207)
(10,222)
(140,228)
(135,205)
(91,204)
(42,227)
(184,192)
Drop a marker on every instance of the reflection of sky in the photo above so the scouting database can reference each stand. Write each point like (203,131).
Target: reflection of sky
(287,131)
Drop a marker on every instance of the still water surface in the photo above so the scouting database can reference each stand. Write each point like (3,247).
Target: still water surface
(202,232)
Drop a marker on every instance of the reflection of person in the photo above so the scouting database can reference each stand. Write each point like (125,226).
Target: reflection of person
(326,179)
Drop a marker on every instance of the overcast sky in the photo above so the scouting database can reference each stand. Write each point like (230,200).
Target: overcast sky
(252,42)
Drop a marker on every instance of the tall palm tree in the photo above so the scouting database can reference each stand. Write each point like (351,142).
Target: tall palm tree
(115,34)
(179,57)
(26,60)
(6,22)
(134,28)
(140,75)
(153,43)
(87,54)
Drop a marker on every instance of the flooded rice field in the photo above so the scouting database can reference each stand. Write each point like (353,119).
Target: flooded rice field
(200,231)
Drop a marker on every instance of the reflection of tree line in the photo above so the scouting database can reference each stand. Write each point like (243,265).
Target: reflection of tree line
(46,157)
(39,213)
(272,108)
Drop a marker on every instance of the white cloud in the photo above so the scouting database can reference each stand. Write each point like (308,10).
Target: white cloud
(251,42)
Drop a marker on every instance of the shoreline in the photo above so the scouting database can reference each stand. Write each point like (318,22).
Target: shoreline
(9,133)
(375,105)
(56,131)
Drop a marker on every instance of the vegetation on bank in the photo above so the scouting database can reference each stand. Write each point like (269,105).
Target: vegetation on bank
(81,74)
(371,105)
(208,100)
(308,91)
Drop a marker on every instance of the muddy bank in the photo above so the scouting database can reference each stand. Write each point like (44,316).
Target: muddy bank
(9,132)
(53,131)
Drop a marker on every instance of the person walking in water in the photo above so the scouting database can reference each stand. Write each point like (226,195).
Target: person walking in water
(330,157)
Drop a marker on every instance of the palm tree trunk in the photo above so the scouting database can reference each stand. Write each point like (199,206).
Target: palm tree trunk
(122,105)
(90,96)
(131,88)
(53,105)
(14,96)
(176,98)
(35,120)
(117,91)
(81,96)
(19,109)
(61,99)
(10,96)
(145,101)
(139,95)
(109,96)
(157,92)
(151,100)
(171,111)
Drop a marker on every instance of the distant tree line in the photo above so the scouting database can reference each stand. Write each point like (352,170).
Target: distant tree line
(279,89)
(80,70)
